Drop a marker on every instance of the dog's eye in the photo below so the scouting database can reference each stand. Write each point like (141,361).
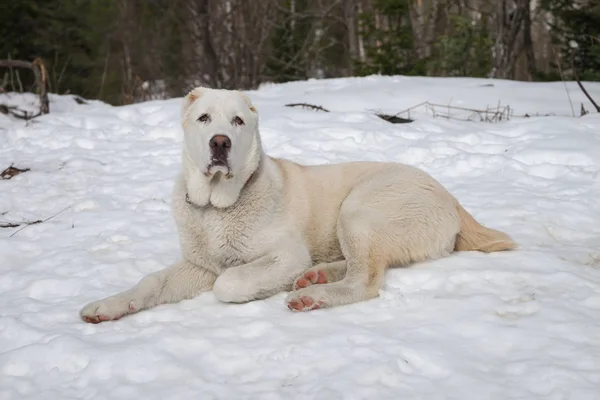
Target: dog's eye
(203,118)
(238,121)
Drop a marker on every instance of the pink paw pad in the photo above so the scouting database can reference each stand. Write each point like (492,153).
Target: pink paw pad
(304,303)
(96,319)
(310,278)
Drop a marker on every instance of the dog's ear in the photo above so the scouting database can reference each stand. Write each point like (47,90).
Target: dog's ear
(188,100)
(248,102)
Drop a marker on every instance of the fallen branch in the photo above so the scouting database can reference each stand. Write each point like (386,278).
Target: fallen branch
(8,225)
(23,224)
(394,119)
(4,109)
(17,113)
(500,113)
(80,100)
(41,79)
(312,106)
(39,221)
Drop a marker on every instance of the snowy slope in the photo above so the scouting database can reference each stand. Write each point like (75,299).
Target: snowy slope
(518,325)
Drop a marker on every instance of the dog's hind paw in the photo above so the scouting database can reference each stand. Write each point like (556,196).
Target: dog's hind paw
(309,278)
(303,303)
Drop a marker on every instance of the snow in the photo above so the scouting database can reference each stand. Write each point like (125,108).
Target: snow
(512,325)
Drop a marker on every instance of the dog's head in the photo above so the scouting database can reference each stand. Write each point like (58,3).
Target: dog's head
(221,129)
(222,142)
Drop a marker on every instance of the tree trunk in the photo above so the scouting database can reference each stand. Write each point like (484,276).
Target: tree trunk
(528,43)
(205,61)
(508,42)
(361,42)
(351,31)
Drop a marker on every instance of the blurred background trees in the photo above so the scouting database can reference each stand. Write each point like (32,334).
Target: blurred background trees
(124,51)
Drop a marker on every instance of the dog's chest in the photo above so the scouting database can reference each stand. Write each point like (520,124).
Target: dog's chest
(226,239)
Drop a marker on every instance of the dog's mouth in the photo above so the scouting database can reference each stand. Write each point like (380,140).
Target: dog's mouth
(218,166)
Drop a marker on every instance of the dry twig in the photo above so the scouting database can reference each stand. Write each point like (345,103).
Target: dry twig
(39,221)
(311,106)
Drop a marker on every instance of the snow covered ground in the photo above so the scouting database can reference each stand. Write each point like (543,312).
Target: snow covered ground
(515,325)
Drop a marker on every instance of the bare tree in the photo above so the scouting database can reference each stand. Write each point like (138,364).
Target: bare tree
(350,19)
(528,42)
(200,56)
(510,22)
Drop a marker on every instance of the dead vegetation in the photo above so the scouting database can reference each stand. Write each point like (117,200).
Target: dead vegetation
(499,113)
(307,105)
(25,224)
(12,171)
(41,82)
(489,114)
(496,114)
(17,113)
(394,119)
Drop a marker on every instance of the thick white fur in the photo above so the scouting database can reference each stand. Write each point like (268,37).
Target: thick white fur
(269,225)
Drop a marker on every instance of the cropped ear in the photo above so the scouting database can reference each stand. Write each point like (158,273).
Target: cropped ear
(188,100)
(248,102)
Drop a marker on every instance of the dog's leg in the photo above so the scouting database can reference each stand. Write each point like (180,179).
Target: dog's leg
(364,278)
(170,285)
(320,274)
(362,234)
(375,233)
(264,277)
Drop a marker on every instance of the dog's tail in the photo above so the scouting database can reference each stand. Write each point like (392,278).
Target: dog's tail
(474,236)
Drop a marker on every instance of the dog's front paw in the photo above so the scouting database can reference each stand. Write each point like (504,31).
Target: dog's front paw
(309,278)
(109,309)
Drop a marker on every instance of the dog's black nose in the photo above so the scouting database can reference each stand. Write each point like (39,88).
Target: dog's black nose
(220,143)
(219,148)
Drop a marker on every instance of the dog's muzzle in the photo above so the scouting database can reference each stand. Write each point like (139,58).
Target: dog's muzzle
(219,155)
(219,149)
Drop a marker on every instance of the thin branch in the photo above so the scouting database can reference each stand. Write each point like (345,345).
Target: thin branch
(19,81)
(583,88)
(62,71)
(562,77)
(103,78)
(39,221)
(4,224)
(312,106)
(586,93)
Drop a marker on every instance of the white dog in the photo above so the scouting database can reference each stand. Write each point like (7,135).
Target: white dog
(251,226)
